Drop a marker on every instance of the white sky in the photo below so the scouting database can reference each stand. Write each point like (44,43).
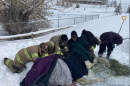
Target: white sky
(97,27)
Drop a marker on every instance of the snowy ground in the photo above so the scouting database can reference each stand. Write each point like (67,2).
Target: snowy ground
(97,27)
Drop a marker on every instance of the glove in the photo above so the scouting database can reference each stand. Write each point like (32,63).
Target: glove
(113,45)
(104,51)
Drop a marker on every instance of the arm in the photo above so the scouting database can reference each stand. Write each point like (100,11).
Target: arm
(34,54)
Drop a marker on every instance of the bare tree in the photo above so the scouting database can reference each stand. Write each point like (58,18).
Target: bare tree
(107,5)
(18,16)
(67,3)
(115,3)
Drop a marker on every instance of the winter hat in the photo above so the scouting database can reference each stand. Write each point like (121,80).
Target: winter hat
(64,37)
(73,33)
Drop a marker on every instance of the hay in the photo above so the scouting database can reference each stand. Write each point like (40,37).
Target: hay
(119,69)
(115,69)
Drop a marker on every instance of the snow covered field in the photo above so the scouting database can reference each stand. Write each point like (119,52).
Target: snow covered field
(97,27)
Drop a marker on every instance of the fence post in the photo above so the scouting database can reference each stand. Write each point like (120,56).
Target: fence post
(74,20)
(92,17)
(31,26)
(58,23)
(98,16)
(85,18)
(32,35)
(58,15)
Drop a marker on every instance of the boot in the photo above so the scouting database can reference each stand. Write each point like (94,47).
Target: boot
(108,54)
(5,59)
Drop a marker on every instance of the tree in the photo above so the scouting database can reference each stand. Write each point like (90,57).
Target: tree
(111,5)
(67,3)
(115,3)
(18,16)
(118,9)
(128,10)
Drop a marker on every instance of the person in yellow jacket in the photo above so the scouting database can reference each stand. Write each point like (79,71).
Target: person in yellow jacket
(60,42)
(51,47)
(26,55)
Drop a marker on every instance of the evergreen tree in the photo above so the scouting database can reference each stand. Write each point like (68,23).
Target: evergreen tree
(115,3)
(128,10)
(118,9)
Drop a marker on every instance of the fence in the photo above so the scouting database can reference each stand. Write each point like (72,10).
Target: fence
(32,34)
(70,19)
(56,23)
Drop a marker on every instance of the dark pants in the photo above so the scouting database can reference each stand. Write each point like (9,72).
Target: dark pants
(109,49)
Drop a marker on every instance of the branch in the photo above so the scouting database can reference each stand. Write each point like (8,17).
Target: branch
(33,7)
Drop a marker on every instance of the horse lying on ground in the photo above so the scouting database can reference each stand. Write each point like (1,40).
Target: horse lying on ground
(59,70)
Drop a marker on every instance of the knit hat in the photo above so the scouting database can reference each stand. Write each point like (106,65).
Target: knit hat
(64,37)
(73,33)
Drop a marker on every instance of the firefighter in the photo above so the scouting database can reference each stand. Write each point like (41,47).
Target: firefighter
(60,42)
(26,55)
(51,47)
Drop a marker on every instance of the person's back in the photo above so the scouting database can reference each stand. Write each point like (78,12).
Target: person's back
(112,37)
(30,53)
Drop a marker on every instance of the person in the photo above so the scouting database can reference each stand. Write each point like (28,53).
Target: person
(26,55)
(72,40)
(60,42)
(63,71)
(51,47)
(109,39)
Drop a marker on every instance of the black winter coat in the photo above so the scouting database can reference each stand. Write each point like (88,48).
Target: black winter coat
(111,38)
(70,44)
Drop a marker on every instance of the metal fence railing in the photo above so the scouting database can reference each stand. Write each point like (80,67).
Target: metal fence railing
(70,19)
(56,23)
(32,34)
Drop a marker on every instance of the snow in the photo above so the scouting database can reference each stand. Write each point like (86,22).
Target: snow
(96,26)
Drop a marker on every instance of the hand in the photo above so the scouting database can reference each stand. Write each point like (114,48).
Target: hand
(113,45)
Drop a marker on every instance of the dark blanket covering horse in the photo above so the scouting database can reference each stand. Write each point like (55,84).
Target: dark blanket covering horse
(43,67)
(40,71)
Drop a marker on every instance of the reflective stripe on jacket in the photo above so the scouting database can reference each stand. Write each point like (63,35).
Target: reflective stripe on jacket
(45,55)
(29,54)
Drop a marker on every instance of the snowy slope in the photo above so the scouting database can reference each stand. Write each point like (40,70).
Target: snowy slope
(97,27)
